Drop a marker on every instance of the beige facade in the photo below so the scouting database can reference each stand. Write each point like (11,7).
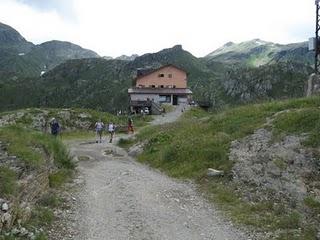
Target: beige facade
(165,77)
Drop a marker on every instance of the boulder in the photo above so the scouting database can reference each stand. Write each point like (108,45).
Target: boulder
(213,172)
(137,149)
(6,220)
(5,207)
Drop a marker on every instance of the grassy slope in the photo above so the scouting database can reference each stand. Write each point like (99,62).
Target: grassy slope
(200,140)
(204,139)
(23,142)
(34,150)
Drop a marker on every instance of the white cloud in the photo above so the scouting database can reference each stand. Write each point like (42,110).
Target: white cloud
(115,27)
(34,25)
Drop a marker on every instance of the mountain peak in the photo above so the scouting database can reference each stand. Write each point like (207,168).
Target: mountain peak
(228,44)
(66,49)
(258,41)
(11,38)
(177,47)
(127,58)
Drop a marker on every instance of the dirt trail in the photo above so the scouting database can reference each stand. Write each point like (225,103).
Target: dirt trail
(123,199)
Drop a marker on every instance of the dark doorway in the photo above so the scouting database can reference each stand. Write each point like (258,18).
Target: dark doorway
(175,100)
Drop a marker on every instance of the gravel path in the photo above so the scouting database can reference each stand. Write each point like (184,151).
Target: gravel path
(122,199)
(171,116)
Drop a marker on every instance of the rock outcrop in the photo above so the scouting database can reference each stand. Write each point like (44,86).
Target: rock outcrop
(281,171)
(39,119)
(313,87)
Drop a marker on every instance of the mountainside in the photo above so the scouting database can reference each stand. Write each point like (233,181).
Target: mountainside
(102,84)
(95,83)
(75,77)
(258,52)
(19,58)
(11,39)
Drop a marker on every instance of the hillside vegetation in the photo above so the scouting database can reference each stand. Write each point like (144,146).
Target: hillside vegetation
(275,141)
(102,84)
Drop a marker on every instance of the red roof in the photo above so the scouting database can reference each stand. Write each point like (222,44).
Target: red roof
(155,70)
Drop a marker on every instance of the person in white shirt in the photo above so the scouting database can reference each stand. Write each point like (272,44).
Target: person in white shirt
(99,129)
(111,130)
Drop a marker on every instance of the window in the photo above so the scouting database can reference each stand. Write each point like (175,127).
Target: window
(153,86)
(164,98)
(174,86)
(161,75)
(170,75)
(161,86)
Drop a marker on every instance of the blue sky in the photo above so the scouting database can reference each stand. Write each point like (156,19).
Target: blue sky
(116,27)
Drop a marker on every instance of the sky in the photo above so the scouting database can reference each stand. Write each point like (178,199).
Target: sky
(116,27)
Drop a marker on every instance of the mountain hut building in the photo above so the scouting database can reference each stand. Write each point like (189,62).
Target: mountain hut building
(165,85)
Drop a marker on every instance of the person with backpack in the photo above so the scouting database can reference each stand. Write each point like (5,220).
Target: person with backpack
(99,129)
(111,130)
(55,127)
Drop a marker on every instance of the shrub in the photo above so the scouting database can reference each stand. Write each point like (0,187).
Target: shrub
(59,177)
(8,183)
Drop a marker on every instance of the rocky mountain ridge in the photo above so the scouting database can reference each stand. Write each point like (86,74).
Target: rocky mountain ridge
(12,39)
(20,58)
(258,52)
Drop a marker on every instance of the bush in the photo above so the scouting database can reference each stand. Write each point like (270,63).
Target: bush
(8,183)
(41,216)
(49,200)
(125,143)
(58,178)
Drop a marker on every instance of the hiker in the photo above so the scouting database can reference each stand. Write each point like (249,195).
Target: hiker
(130,125)
(111,130)
(99,129)
(55,127)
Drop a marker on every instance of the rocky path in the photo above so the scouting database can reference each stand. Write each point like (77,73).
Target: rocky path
(123,199)
(171,116)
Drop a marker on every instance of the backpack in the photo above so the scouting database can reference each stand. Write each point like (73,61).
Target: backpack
(99,126)
(55,127)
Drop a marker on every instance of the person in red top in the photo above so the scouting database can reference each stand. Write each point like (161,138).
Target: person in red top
(130,125)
